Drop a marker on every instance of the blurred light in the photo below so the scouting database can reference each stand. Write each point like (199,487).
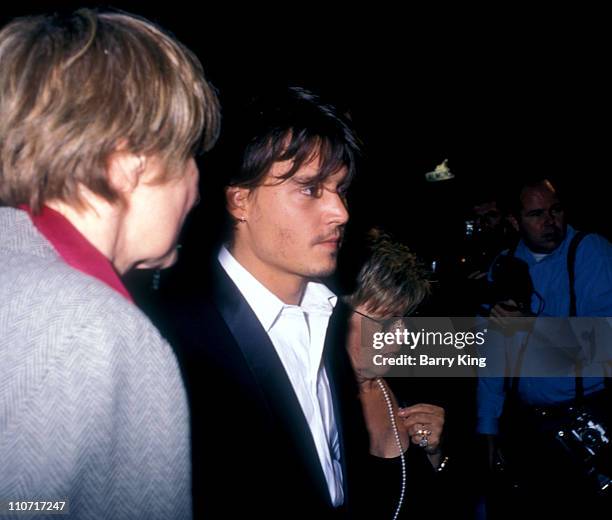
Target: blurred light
(440,173)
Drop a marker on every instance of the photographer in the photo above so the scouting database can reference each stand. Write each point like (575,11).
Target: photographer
(570,275)
(488,231)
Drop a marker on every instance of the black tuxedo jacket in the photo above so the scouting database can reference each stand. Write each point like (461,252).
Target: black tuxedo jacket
(253,452)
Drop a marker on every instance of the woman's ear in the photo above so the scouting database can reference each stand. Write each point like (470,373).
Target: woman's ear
(237,200)
(124,170)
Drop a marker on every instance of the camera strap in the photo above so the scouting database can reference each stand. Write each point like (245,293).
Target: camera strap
(571,269)
(512,385)
(571,272)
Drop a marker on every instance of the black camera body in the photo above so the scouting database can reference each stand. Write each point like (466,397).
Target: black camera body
(510,280)
(587,441)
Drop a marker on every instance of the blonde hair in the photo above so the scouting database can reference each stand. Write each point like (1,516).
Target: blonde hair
(74,89)
(392,281)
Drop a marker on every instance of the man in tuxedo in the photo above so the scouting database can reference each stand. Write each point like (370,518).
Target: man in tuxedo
(277,426)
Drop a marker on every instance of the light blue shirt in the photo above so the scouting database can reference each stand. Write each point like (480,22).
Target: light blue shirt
(593,286)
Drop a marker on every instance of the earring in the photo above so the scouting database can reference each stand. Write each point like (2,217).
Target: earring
(242,219)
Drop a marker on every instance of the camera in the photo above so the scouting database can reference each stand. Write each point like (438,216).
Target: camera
(510,280)
(587,441)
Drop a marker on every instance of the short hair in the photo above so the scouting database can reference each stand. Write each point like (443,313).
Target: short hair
(392,280)
(292,124)
(514,203)
(75,88)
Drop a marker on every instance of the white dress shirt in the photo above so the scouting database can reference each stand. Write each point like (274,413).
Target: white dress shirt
(298,335)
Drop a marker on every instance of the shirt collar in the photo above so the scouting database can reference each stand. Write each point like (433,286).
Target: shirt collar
(318,298)
(75,249)
(265,304)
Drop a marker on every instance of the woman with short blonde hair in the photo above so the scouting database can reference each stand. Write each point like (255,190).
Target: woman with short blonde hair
(101,115)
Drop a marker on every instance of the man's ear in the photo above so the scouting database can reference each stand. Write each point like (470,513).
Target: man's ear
(237,200)
(124,170)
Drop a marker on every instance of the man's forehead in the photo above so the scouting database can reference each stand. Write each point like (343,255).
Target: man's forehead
(538,197)
(281,168)
(308,170)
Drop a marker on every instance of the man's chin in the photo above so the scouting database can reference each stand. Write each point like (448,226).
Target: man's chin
(548,242)
(547,246)
(324,271)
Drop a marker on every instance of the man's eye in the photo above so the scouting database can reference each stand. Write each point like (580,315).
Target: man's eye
(311,191)
(535,214)
(556,210)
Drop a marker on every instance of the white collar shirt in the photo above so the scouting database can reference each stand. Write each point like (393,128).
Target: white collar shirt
(298,335)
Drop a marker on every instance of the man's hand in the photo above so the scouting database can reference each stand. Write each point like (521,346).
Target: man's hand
(502,313)
(507,309)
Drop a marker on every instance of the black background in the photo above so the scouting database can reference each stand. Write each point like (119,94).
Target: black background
(501,93)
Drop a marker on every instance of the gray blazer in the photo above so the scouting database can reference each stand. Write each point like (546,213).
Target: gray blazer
(92,405)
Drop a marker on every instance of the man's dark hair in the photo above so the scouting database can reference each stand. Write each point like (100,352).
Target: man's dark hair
(292,124)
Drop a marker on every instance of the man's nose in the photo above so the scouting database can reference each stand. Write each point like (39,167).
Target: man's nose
(551,216)
(337,207)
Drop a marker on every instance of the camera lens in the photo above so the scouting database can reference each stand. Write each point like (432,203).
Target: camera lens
(591,437)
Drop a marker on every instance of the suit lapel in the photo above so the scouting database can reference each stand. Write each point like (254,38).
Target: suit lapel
(352,433)
(336,374)
(268,372)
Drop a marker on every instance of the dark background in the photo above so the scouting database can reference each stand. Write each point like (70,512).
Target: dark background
(501,93)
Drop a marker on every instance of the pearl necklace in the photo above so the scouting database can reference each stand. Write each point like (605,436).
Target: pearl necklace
(398,441)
